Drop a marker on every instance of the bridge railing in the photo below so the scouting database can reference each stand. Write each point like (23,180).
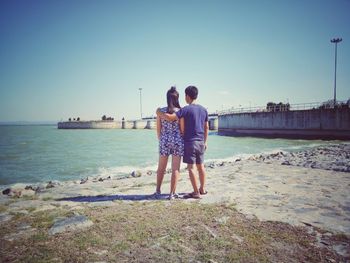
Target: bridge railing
(285,107)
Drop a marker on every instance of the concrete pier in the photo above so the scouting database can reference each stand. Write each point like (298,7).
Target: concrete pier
(90,125)
(299,124)
(151,124)
(128,125)
(140,124)
(124,124)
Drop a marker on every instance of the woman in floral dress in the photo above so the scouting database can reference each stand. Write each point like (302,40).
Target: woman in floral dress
(170,143)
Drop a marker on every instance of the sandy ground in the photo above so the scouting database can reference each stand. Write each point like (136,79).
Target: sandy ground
(260,186)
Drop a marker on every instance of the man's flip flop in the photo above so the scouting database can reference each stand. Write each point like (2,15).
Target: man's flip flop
(192,195)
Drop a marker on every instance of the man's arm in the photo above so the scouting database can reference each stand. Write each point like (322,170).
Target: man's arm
(167,116)
(206,130)
(182,126)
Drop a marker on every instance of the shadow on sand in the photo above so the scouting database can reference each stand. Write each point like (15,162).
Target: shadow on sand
(103,198)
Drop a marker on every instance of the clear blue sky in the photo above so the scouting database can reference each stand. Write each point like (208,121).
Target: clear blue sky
(61,59)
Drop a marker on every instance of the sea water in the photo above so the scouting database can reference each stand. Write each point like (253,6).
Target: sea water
(33,154)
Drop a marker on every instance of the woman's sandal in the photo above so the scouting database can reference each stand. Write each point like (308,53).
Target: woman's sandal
(202,193)
(192,195)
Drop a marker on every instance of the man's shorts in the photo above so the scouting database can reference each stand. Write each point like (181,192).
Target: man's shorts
(194,152)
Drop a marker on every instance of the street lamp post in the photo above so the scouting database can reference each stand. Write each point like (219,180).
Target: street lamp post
(335,41)
(140,89)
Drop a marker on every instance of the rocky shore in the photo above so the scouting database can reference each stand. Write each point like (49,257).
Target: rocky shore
(308,189)
(331,157)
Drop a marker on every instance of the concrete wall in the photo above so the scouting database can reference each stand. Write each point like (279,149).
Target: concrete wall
(307,124)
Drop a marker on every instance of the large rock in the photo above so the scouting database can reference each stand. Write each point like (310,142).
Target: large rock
(6,191)
(70,224)
(285,163)
(53,184)
(12,192)
(84,180)
(136,174)
(18,192)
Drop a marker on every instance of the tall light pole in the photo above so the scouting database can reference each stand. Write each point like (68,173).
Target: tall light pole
(140,89)
(336,41)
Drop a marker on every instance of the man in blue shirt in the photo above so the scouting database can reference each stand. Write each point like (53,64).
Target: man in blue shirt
(194,119)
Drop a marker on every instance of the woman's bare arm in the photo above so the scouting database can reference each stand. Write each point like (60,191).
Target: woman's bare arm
(159,127)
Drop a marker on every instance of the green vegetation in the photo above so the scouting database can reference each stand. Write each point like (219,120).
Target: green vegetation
(47,198)
(31,209)
(163,231)
(29,197)
(3,208)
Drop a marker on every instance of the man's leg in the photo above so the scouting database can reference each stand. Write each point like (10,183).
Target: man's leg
(191,173)
(202,175)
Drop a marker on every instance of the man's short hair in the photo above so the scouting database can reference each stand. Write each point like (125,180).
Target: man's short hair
(192,92)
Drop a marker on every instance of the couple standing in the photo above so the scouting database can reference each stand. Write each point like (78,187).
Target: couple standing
(182,132)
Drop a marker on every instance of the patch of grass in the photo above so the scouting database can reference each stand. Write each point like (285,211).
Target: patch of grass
(45,219)
(244,256)
(39,237)
(47,198)
(138,185)
(205,256)
(31,209)
(120,247)
(82,242)
(16,216)
(42,254)
(161,231)
(3,208)
(230,206)
(29,197)
(341,237)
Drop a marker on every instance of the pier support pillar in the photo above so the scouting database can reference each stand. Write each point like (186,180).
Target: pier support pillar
(213,124)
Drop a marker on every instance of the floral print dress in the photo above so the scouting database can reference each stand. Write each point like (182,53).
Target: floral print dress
(171,141)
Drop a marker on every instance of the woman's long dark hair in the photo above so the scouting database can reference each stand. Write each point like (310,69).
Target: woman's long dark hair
(172,98)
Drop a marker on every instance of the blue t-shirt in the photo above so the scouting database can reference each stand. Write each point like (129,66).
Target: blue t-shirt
(195,117)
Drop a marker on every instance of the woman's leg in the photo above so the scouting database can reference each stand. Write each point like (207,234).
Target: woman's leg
(162,163)
(175,168)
